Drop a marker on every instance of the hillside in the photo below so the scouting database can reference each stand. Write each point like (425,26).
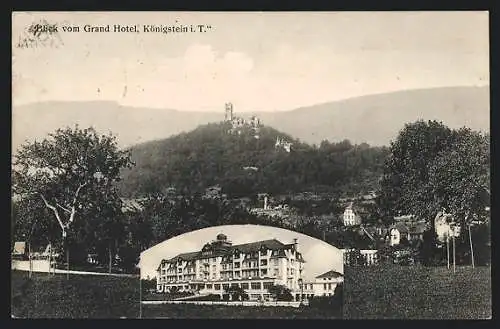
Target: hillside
(377,119)
(243,165)
(132,125)
(374,119)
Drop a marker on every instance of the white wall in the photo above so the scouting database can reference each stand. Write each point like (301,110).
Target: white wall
(24,265)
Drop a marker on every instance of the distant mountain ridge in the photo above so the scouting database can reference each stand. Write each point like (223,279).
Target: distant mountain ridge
(374,119)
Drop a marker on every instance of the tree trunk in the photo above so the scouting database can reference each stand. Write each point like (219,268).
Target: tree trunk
(50,258)
(471,248)
(30,259)
(67,261)
(454,262)
(140,296)
(448,250)
(110,259)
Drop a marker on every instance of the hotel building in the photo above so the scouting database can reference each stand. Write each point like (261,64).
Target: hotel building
(254,267)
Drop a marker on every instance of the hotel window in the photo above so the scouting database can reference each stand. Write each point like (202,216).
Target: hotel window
(263,272)
(225,286)
(268,285)
(263,262)
(256,286)
(237,265)
(329,286)
(245,285)
(312,286)
(217,286)
(324,286)
(209,286)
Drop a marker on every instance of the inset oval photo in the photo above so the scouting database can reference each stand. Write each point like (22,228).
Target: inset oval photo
(254,259)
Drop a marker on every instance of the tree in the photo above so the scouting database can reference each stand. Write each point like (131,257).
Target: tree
(432,167)
(460,178)
(72,175)
(405,185)
(280,293)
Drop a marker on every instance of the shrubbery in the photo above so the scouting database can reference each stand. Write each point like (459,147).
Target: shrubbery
(329,302)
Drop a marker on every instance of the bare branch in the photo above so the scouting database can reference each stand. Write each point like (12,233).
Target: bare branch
(63,208)
(77,192)
(73,209)
(55,212)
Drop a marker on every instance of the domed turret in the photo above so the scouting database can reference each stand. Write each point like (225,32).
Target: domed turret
(221,237)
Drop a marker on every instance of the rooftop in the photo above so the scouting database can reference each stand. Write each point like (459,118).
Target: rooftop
(330,274)
(245,248)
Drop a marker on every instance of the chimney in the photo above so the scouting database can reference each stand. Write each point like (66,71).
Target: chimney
(265,203)
(296,244)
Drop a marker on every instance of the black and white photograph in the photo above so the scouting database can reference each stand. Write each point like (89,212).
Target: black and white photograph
(251,165)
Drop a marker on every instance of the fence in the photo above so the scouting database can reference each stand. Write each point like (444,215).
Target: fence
(229,303)
(42,266)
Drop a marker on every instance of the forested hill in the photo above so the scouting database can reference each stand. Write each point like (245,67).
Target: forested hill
(243,165)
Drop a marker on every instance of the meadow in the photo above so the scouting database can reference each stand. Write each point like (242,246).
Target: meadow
(417,292)
(87,296)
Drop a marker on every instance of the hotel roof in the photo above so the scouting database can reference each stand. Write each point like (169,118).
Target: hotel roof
(245,248)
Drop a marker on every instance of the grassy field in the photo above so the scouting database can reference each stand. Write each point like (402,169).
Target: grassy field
(85,296)
(416,292)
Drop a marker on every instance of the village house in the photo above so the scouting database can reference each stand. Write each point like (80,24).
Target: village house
(19,251)
(213,192)
(255,267)
(367,256)
(445,227)
(411,231)
(323,285)
(351,216)
(283,144)
(276,211)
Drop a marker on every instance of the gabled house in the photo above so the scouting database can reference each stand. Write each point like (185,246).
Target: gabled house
(445,227)
(411,231)
(351,216)
(323,285)
(19,252)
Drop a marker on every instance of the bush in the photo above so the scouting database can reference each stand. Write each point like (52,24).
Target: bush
(329,302)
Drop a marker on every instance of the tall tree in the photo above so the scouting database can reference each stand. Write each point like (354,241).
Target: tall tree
(72,174)
(460,179)
(432,167)
(405,185)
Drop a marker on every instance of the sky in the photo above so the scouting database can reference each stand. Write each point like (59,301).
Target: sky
(257,61)
(320,257)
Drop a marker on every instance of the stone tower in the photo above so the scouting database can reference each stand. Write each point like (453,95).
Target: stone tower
(229,112)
